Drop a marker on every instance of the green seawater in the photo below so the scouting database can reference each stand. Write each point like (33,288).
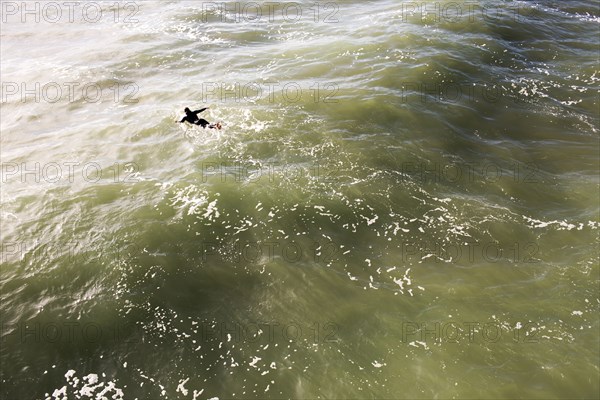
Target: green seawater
(402,202)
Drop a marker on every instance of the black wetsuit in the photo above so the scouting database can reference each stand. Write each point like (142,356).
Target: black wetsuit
(192,118)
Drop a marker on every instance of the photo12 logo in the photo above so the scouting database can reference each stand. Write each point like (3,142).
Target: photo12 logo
(255,252)
(69,12)
(272,92)
(462,92)
(240,252)
(456,172)
(269,11)
(461,12)
(267,332)
(68,171)
(54,92)
(237,171)
(69,332)
(472,252)
(36,253)
(422,333)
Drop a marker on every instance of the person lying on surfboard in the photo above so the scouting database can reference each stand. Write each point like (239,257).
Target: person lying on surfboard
(192,118)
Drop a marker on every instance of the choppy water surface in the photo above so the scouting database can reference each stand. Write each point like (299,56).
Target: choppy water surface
(403,202)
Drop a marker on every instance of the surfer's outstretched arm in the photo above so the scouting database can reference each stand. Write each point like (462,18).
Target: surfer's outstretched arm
(200,110)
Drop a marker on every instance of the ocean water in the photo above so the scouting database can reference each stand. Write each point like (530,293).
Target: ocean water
(402,202)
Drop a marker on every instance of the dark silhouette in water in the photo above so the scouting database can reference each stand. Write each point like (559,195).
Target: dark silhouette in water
(192,118)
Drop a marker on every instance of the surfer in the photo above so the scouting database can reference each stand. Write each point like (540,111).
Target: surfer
(192,118)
